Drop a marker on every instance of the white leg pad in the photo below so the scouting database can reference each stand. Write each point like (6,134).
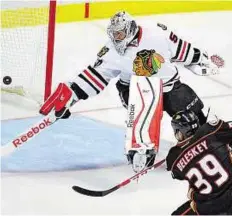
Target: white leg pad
(145,110)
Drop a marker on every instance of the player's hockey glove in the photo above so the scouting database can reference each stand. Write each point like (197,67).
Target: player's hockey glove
(60,101)
(141,158)
(208,65)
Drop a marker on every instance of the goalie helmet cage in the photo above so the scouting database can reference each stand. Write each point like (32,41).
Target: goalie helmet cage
(27,47)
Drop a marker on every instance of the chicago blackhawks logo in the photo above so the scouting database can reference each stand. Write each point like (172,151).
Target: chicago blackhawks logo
(147,62)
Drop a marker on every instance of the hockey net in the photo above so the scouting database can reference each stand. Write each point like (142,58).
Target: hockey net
(27,43)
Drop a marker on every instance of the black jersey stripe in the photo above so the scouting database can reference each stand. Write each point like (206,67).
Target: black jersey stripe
(178,50)
(189,46)
(196,56)
(87,81)
(124,82)
(100,77)
(80,93)
(173,79)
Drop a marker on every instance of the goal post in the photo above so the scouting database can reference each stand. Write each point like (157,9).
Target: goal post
(50,48)
(27,47)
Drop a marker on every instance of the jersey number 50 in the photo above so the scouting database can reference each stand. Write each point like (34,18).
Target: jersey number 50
(210,167)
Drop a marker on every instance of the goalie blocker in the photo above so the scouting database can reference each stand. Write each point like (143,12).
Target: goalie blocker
(55,107)
(60,101)
(145,110)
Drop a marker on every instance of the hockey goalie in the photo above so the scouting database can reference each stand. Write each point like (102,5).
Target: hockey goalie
(144,59)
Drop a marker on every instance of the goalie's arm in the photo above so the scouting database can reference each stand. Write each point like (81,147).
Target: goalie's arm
(183,51)
(93,79)
(90,82)
(193,58)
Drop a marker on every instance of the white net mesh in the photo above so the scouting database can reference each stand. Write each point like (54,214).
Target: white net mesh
(24,36)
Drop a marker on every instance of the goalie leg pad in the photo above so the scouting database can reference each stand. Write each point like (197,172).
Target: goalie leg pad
(144,113)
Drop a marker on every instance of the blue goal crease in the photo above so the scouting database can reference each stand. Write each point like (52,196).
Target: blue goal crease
(73,144)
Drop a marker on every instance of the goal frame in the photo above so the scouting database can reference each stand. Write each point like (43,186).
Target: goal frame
(50,48)
(48,58)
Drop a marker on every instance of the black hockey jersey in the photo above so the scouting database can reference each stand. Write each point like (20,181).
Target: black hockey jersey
(205,161)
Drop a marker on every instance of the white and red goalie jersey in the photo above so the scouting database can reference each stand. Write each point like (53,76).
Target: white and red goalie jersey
(153,53)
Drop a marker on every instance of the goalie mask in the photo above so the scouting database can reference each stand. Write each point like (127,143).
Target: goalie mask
(122,30)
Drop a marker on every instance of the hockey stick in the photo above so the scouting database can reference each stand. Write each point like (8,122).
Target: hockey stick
(122,184)
(30,133)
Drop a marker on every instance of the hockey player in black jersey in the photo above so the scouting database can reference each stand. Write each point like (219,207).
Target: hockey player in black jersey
(203,157)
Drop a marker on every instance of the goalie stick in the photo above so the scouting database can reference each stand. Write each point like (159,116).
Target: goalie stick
(30,133)
(94,193)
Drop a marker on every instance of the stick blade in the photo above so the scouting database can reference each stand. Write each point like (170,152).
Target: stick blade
(87,192)
(93,193)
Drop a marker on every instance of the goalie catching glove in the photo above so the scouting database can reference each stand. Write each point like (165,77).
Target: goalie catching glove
(208,65)
(60,101)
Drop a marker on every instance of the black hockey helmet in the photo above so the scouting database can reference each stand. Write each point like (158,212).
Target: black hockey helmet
(185,122)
